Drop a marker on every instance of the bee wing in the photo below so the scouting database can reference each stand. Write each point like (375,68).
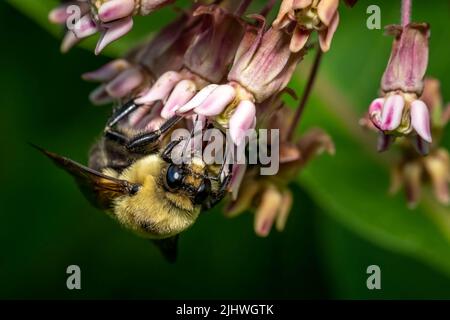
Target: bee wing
(98,188)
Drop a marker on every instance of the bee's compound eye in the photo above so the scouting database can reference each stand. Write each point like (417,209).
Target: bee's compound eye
(135,189)
(174,177)
(203,192)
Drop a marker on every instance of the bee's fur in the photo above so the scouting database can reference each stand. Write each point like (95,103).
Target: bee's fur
(153,211)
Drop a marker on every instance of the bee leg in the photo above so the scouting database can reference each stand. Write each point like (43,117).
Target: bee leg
(166,155)
(115,136)
(121,113)
(141,142)
(220,194)
(224,187)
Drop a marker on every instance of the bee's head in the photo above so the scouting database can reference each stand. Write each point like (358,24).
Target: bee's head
(189,180)
(169,197)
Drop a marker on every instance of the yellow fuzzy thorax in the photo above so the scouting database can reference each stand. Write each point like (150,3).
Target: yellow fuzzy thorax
(153,212)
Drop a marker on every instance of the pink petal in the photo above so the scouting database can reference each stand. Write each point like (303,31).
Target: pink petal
(99,96)
(198,98)
(125,83)
(299,39)
(326,10)
(241,121)
(59,15)
(85,27)
(391,116)
(161,89)
(281,23)
(421,146)
(113,32)
(217,101)
(289,153)
(142,111)
(237,176)
(301,4)
(384,141)
(375,110)
(155,124)
(115,9)
(266,213)
(326,35)
(420,119)
(284,210)
(253,125)
(68,42)
(106,72)
(285,8)
(181,94)
(376,106)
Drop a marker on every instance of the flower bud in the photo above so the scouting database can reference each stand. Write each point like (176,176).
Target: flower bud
(212,52)
(409,59)
(264,64)
(269,196)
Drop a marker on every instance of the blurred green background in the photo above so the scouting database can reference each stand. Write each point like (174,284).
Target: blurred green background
(343,220)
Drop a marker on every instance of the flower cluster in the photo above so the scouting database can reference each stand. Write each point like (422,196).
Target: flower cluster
(269,196)
(303,17)
(411,170)
(217,63)
(112,18)
(137,71)
(411,113)
(400,112)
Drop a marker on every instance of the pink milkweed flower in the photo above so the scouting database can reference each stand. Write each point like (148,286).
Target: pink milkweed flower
(263,66)
(269,196)
(206,60)
(118,77)
(137,71)
(413,171)
(112,18)
(400,112)
(263,63)
(303,17)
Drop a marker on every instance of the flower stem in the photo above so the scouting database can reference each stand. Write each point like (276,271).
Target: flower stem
(406,12)
(306,94)
(242,7)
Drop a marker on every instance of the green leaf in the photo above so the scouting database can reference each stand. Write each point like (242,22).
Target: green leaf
(346,259)
(352,185)
(37,11)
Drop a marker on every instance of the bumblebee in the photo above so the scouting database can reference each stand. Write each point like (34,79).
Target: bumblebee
(132,176)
